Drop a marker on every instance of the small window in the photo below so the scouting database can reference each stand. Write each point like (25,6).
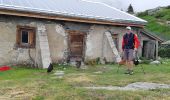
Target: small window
(25,37)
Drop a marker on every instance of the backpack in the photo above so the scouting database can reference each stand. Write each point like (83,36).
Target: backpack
(129,41)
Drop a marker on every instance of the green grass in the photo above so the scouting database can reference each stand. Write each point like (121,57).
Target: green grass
(163,14)
(36,84)
(161,30)
(157,22)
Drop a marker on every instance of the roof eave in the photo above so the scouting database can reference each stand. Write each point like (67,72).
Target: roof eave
(69,17)
(153,36)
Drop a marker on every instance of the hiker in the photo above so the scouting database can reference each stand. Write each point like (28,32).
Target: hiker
(130,43)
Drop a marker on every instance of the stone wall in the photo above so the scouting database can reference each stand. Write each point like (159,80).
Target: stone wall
(97,44)
(94,42)
(9,54)
(57,37)
(57,41)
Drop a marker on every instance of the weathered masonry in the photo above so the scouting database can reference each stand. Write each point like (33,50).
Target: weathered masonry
(42,32)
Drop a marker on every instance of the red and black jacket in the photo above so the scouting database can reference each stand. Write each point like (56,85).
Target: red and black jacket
(130,41)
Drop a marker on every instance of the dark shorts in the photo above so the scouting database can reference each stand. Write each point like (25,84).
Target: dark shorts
(128,54)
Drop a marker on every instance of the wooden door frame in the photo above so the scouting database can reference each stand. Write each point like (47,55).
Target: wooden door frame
(84,41)
(145,50)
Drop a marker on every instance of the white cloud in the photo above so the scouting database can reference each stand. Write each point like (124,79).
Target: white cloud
(138,5)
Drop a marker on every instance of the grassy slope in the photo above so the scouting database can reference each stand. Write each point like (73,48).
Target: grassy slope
(157,22)
(24,83)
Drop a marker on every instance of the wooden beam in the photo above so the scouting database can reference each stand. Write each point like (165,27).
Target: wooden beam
(64,18)
(156,50)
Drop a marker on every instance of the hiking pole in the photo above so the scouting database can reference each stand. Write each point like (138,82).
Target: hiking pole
(137,61)
(142,69)
(118,68)
(120,63)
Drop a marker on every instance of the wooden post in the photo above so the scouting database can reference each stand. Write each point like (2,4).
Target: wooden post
(156,49)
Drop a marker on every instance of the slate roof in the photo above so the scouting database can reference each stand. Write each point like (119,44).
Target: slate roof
(152,35)
(72,8)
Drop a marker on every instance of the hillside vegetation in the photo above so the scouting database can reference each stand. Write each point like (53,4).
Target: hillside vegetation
(157,21)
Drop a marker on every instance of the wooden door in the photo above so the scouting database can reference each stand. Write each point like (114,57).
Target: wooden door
(149,49)
(76,45)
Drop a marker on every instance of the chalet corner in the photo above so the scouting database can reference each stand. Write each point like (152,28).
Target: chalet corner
(43,31)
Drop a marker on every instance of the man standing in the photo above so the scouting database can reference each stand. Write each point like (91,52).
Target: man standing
(130,43)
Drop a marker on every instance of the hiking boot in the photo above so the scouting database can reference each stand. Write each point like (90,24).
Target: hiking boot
(127,72)
(130,72)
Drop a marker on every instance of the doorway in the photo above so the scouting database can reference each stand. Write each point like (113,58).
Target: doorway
(76,43)
(148,50)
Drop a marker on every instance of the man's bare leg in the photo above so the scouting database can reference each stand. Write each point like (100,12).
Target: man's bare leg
(129,65)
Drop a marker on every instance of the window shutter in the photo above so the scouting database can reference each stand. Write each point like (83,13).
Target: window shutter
(18,37)
(31,38)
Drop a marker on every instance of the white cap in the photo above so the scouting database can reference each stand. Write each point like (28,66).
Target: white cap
(128,28)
